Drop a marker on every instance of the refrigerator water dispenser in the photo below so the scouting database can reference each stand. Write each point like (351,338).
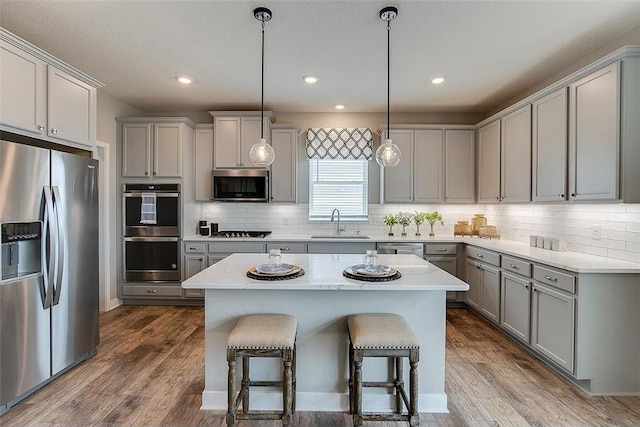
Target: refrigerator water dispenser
(21,249)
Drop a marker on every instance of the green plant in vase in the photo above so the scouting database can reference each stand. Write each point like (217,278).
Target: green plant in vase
(432,218)
(404,219)
(390,220)
(419,218)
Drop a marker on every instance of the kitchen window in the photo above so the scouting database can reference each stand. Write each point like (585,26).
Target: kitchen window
(338,184)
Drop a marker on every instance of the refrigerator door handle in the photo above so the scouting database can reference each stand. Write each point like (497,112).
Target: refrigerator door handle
(51,258)
(59,241)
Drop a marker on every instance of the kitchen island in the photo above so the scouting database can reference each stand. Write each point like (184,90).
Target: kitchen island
(321,300)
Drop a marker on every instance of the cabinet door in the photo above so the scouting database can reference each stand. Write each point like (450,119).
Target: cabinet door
(515,156)
(398,180)
(459,166)
(594,136)
(203,164)
(23,89)
(448,264)
(136,146)
(549,163)
(193,264)
(167,150)
(249,135)
(284,171)
(552,328)
(516,306)
(428,162)
(71,114)
(226,142)
(489,163)
(491,292)
(474,280)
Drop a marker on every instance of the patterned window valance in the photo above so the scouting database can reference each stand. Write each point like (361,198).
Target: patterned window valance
(339,143)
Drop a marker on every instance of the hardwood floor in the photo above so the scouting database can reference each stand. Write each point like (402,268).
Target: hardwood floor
(149,372)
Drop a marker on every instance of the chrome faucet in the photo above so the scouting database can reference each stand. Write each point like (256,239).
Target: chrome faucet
(338,228)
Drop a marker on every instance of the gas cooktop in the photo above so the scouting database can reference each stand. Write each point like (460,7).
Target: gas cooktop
(235,233)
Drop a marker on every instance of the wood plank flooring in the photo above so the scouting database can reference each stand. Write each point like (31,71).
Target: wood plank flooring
(149,372)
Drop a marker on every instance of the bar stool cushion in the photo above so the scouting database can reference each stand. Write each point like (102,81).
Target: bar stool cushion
(264,331)
(381,331)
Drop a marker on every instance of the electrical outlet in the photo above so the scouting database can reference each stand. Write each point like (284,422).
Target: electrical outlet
(285,220)
(596,232)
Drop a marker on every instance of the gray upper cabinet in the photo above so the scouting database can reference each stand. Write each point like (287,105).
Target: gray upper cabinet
(489,163)
(43,97)
(203,159)
(549,132)
(428,166)
(153,147)
(234,133)
(594,135)
(284,170)
(459,166)
(515,156)
(398,181)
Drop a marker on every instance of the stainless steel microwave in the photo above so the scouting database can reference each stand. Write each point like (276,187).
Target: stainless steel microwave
(240,185)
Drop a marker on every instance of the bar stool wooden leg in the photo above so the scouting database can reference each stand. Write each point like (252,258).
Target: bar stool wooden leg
(357,386)
(246,380)
(231,388)
(287,398)
(399,383)
(351,408)
(414,357)
(293,365)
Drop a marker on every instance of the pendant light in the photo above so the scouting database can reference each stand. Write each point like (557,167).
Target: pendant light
(388,154)
(261,153)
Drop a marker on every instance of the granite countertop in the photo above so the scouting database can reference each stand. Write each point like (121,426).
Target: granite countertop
(324,272)
(571,261)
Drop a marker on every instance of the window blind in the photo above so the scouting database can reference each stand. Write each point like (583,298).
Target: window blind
(338,184)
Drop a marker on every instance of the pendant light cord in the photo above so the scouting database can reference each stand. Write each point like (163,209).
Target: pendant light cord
(262,89)
(388,75)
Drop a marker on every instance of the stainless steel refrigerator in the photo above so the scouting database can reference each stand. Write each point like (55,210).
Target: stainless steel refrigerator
(49,270)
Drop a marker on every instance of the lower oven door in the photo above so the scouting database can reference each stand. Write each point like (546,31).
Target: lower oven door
(151,259)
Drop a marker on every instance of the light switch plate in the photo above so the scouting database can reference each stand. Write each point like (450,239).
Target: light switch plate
(596,232)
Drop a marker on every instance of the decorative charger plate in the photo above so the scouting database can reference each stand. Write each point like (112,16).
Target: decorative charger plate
(275,269)
(352,273)
(380,270)
(296,272)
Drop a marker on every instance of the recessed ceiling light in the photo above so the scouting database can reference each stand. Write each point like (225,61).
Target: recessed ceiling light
(310,79)
(339,107)
(184,79)
(438,80)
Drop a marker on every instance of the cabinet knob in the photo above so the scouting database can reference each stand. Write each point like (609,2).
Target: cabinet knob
(526,287)
(155,173)
(54,131)
(200,259)
(573,194)
(40,127)
(497,197)
(562,195)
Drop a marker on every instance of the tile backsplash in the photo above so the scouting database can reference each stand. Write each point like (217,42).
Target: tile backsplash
(574,223)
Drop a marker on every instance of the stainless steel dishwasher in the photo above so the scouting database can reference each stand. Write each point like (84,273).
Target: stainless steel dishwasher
(401,248)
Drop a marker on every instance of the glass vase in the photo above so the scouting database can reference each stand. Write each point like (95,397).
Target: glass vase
(391,230)
(404,230)
(431,233)
(417,229)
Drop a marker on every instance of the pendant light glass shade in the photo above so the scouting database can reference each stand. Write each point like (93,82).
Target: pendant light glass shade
(388,154)
(261,153)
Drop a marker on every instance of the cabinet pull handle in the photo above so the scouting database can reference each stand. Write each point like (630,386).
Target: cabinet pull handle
(151,291)
(40,127)
(480,255)
(442,250)
(285,249)
(552,279)
(515,267)
(201,259)
(54,131)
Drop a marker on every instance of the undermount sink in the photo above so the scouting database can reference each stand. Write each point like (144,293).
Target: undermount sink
(341,236)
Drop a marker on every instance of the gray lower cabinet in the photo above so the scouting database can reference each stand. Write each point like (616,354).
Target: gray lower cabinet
(516,306)
(553,325)
(193,264)
(483,277)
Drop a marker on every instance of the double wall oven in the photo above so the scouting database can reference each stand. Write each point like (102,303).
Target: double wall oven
(151,230)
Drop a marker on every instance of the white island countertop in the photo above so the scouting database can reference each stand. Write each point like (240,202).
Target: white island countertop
(324,272)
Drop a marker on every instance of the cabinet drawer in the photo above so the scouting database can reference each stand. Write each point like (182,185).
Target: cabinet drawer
(484,256)
(516,265)
(194,248)
(441,249)
(564,281)
(152,291)
(194,293)
(288,248)
(240,247)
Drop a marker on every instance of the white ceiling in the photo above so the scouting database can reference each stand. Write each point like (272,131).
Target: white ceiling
(489,50)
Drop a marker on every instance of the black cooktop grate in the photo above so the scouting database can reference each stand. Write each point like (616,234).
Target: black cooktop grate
(240,233)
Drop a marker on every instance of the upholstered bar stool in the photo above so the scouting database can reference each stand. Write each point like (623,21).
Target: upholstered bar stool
(383,335)
(262,335)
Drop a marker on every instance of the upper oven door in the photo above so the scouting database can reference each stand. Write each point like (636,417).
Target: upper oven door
(167,215)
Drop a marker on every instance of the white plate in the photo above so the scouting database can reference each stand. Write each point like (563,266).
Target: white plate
(380,270)
(279,269)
